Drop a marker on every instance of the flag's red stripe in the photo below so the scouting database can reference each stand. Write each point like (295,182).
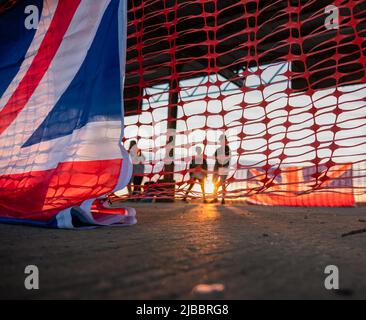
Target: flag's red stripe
(47,51)
(38,195)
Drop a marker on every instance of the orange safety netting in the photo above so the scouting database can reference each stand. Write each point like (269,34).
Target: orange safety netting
(277,87)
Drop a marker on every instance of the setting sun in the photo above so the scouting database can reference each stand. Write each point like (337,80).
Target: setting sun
(209,187)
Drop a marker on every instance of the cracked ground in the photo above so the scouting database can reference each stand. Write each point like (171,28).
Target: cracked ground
(255,252)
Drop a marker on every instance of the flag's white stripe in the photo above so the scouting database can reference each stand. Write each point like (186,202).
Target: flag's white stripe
(95,141)
(64,219)
(64,67)
(49,8)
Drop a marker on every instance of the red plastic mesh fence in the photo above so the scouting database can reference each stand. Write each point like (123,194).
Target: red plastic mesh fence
(277,87)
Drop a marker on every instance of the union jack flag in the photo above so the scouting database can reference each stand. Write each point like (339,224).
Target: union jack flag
(303,186)
(61,113)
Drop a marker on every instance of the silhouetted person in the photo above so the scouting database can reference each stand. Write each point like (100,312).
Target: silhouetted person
(221,168)
(137,158)
(198,172)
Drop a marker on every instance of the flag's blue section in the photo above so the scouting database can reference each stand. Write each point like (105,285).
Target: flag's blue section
(95,93)
(15,40)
